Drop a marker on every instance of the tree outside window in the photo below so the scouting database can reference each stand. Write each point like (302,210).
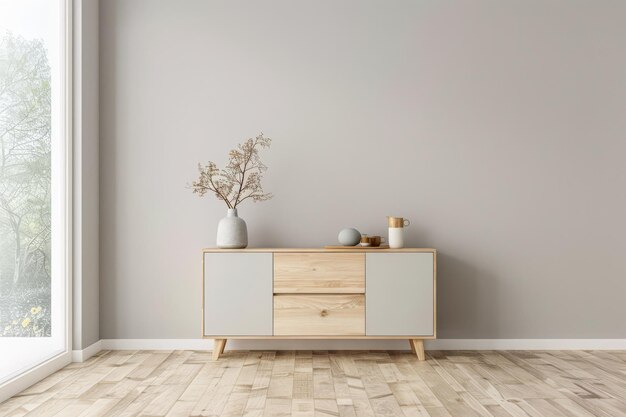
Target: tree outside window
(25,178)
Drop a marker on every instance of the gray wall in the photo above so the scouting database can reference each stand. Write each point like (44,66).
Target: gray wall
(86,176)
(497,128)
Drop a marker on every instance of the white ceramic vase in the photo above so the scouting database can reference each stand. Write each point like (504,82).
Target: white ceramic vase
(396,237)
(232,232)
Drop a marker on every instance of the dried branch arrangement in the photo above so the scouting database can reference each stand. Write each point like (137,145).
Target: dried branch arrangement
(240,179)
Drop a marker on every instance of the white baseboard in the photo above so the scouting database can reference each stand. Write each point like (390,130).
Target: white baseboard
(157,344)
(439,344)
(526,344)
(33,375)
(88,352)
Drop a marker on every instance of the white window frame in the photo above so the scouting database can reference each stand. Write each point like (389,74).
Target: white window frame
(42,370)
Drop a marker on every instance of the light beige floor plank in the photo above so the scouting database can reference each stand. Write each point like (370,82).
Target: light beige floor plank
(220,391)
(255,405)
(43,391)
(303,407)
(557,379)
(360,402)
(570,408)
(236,403)
(75,408)
(322,383)
(181,409)
(99,408)
(445,393)
(345,405)
(326,408)
(277,407)
(378,392)
(161,405)
(281,382)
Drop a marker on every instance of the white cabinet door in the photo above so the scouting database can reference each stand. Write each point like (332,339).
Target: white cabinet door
(238,294)
(399,295)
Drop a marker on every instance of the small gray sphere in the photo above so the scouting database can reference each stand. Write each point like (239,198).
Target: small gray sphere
(349,237)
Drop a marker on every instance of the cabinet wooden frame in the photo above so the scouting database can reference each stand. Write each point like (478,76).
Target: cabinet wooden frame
(415,341)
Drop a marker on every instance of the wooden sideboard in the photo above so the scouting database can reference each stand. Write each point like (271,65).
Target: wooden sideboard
(356,293)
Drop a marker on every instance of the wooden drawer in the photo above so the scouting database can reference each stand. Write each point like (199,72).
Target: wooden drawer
(319,273)
(319,315)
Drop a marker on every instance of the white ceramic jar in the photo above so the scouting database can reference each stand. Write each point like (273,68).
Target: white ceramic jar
(396,231)
(396,237)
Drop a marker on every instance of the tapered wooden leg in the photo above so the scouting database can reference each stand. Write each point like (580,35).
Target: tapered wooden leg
(417,346)
(218,348)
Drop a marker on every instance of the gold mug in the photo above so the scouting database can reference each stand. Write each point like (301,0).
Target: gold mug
(375,241)
(398,221)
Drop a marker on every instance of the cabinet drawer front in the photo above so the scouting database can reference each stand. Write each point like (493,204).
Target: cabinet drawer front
(319,273)
(319,315)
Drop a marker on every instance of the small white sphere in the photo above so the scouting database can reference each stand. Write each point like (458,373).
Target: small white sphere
(349,237)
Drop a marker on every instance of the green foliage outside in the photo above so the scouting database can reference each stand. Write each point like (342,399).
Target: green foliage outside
(25,210)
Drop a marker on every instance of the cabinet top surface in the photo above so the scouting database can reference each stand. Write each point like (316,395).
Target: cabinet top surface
(322,250)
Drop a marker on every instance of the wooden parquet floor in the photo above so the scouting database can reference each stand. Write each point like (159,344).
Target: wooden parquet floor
(336,383)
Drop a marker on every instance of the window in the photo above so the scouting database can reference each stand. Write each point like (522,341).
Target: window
(33,191)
